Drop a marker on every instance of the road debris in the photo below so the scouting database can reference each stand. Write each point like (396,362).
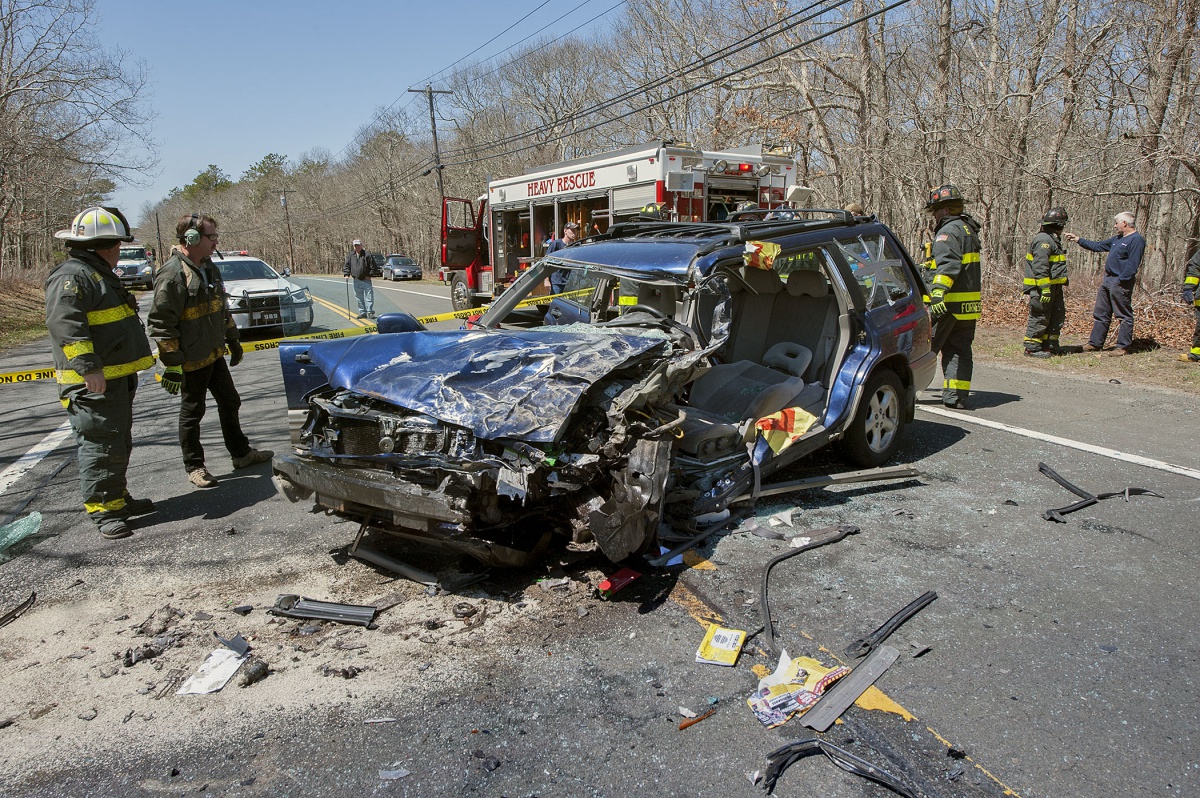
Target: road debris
(781,759)
(617,581)
(1085,499)
(793,687)
(213,674)
(820,537)
(394,775)
(865,645)
(243,610)
(88,714)
(348,672)
(237,644)
(255,670)
(293,606)
(839,698)
(693,721)
(15,532)
(16,611)
(720,646)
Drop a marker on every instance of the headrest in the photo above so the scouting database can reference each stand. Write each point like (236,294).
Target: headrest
(807,283)
(762,281)
(788,356)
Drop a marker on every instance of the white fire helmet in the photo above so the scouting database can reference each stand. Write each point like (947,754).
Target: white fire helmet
(97,224)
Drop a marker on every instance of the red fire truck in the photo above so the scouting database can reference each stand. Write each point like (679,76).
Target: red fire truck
(486,246)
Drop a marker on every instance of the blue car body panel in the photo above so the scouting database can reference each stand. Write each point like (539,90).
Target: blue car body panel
(500,384)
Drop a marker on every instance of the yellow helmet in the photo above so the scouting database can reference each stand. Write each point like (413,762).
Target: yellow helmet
(97,224)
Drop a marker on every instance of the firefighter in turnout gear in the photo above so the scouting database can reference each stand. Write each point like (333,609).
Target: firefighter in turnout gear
(1191,281)
(954,290)
(194,329)
(99,347)
(1045,282)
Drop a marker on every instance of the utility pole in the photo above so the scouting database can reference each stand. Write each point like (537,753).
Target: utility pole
(288,218)
(158,253)
(429,91)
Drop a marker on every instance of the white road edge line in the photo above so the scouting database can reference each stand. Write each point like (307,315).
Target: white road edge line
(388,287)
(31,458)
(1083,447)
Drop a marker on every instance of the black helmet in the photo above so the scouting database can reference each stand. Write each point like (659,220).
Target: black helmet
(1055,217)
(943,195)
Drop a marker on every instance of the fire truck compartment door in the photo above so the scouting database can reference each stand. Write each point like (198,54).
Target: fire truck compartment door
(633,198)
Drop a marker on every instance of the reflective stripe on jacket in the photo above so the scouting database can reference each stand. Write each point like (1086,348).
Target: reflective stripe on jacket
(1192,279)
(955,252)
(1046,262)
(93,323)
(189,317)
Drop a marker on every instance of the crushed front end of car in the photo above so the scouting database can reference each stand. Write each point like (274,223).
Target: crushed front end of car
(493,441)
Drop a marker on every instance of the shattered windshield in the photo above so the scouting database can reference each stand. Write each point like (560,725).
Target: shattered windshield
(592,293)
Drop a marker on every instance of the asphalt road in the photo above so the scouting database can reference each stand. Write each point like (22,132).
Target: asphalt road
(1059,658)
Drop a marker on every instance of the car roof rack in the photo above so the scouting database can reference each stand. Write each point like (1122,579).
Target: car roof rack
(739,230)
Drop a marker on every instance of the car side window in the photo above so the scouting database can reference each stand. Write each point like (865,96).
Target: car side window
(582,280)
(810,259)
(877,266)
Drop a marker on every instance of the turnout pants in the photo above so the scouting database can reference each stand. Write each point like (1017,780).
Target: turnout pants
(1196,334)
(953,338)
(365,294)
(1113,299)
(103,427)
(1045,320)
(214,379)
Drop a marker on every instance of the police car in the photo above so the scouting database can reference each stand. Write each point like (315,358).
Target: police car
(261,297)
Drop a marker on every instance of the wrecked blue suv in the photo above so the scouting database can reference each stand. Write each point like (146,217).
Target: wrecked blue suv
(682,364)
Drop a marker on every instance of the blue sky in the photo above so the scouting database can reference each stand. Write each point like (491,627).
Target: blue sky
(233,81)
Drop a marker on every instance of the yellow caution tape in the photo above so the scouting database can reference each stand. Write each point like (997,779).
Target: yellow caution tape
(544,299)
(34,375)
(13,377)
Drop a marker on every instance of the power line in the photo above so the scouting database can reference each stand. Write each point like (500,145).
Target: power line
(413,174)
(689,90)
(709,59)
(430,78)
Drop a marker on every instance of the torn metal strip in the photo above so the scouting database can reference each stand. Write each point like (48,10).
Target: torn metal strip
(293,606)
(865,645)
(16,611)
(846,691)
(781,759)
(820,537)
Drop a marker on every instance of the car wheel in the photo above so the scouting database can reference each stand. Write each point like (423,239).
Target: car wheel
(460,293)
(874,435)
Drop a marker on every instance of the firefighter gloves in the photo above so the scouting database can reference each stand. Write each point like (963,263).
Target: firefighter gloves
(1047,296)
(172,379)
(235,352)
(937,303)
(1189,295)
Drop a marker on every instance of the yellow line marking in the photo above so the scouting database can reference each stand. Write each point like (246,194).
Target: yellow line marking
(341,311)
(695,606)
(694,561)
(1007,790)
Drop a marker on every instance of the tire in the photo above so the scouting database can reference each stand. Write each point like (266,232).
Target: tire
(460,293)
(876,431)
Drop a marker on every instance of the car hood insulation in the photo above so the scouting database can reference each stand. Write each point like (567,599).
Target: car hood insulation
(513,384)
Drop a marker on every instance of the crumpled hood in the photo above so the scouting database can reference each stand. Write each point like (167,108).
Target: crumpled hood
(522,385)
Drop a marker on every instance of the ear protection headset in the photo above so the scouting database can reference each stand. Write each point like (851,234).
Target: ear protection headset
(191,236)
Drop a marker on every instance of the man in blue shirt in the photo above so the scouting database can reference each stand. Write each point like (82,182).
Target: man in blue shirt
(558,277)
(1115,296)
